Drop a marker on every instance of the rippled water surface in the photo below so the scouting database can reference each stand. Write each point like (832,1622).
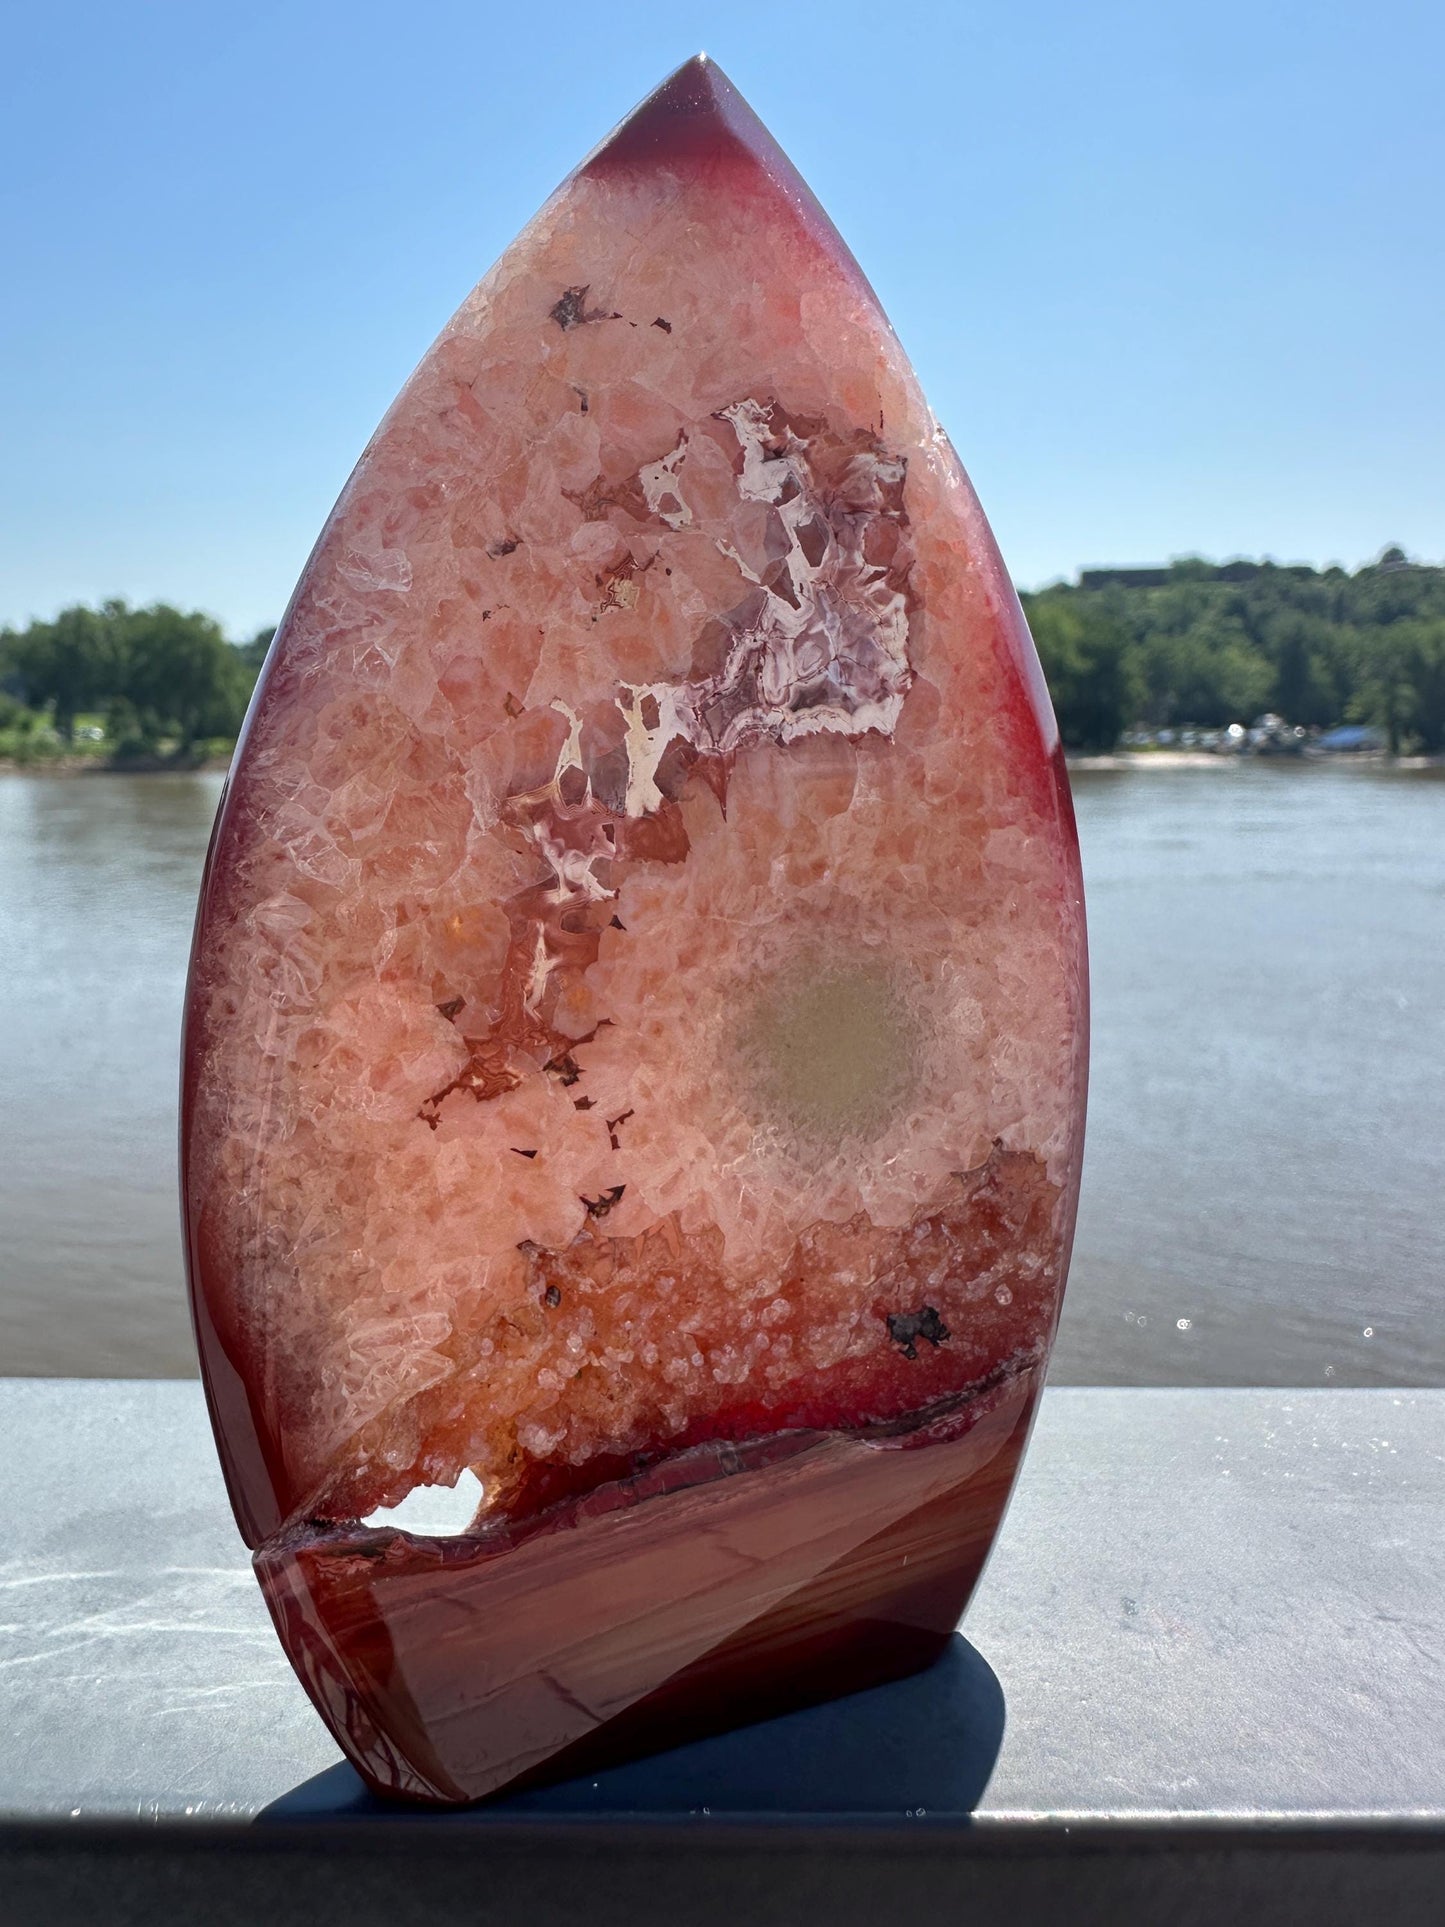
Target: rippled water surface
(1266,1162)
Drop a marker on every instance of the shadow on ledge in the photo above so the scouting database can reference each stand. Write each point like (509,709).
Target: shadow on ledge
(926,1744)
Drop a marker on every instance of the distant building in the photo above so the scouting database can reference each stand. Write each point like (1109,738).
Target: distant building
(1125,578)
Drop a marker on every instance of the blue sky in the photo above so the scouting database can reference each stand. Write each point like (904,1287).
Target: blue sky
(1172,275)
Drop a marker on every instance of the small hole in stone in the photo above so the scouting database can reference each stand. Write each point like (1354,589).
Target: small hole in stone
(434,1511)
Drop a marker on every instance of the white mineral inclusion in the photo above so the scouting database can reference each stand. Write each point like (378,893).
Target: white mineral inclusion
(827,646)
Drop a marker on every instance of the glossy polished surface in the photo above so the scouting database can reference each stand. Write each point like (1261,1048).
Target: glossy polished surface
(635,1043)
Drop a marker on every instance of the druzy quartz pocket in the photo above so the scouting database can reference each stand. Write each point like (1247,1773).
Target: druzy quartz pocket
(635,1037)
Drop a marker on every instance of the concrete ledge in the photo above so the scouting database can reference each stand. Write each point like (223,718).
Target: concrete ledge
(1205,1671)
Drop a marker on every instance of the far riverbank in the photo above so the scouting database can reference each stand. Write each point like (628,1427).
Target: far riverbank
(82,765)
(1119,759)
(1161,759)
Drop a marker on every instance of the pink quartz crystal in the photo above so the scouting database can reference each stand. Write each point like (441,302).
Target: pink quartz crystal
(636,1034)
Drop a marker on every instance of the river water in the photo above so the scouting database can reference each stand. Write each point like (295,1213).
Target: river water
(1265,1172)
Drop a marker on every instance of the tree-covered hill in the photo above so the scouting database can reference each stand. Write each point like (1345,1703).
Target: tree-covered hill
(1210,644)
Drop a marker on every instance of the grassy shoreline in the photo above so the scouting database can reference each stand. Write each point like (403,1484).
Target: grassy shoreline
(99,758)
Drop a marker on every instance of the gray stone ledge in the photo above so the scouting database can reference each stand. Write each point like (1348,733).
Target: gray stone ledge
(1205,1669)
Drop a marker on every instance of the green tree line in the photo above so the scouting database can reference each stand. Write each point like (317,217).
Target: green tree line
(1211,644)
(161,680)
(1196,643)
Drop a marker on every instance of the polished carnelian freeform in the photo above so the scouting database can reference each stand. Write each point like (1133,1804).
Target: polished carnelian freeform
(635,1040)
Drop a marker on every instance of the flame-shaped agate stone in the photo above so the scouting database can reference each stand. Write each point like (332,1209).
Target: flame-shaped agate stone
(635,1041)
